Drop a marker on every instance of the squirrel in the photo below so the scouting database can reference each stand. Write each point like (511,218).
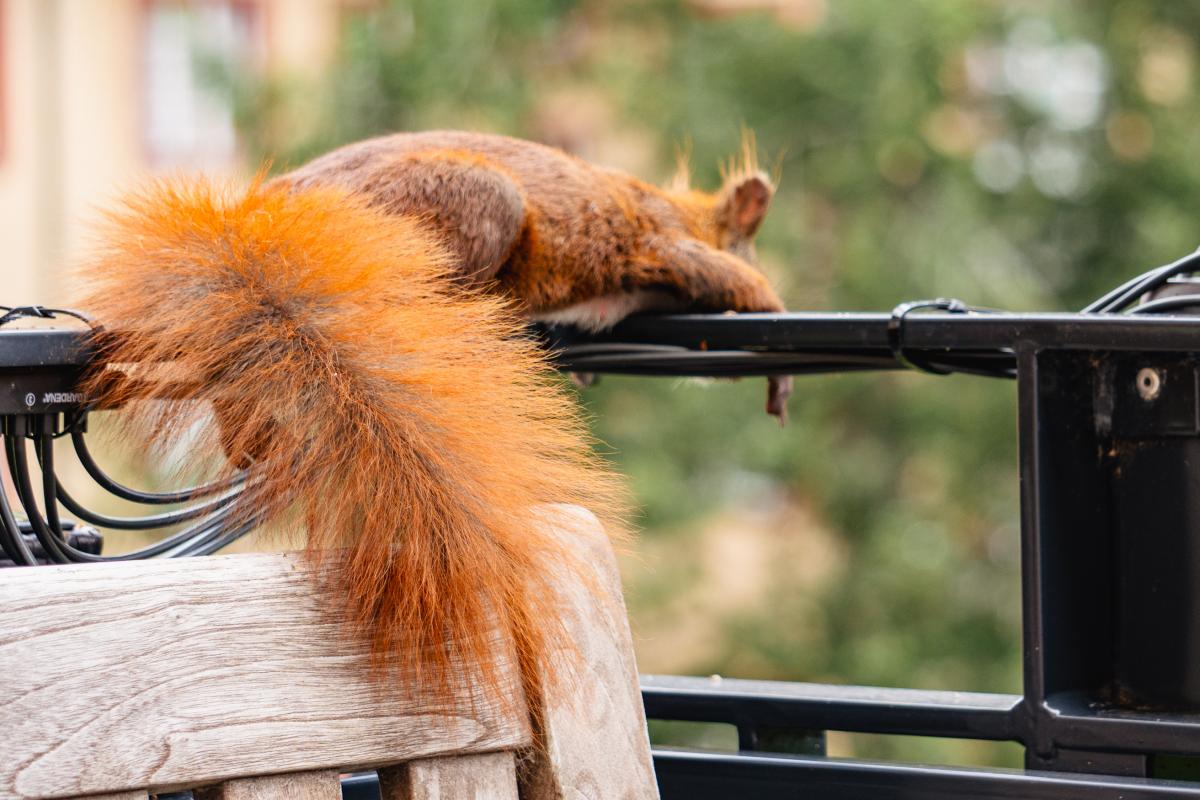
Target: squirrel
(568,242)
(357,328)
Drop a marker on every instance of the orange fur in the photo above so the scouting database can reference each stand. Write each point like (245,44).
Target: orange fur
(398,416)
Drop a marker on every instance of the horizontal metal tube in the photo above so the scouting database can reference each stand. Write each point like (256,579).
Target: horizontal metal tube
(863,709)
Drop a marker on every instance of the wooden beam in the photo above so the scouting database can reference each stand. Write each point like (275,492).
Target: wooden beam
(595,736)
(491,775)
(325,785)
(172,674)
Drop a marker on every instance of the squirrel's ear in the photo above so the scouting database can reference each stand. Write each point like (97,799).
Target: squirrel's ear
(744,203)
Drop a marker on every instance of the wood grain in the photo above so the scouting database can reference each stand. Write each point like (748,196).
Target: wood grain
(491,776)
(170,674)
(141,795)
(324,785)
(596,741)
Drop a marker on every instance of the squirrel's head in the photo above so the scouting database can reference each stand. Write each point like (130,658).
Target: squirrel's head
(740,208)
(729,218)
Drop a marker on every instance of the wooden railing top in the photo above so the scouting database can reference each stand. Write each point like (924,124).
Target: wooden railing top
(155,675)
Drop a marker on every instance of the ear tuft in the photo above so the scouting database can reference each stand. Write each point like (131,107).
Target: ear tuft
(746,202)
(681,181)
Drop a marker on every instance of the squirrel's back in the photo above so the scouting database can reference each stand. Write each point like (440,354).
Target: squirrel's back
(535,167)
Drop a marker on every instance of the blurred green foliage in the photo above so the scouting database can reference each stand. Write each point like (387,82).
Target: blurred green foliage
(1023,155)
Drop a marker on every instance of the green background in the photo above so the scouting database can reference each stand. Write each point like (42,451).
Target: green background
(1021,155)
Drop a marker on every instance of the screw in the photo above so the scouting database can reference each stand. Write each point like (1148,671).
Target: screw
(1149,383)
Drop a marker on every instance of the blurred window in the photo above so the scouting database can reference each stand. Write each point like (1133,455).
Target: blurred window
(189,52)
(3,78)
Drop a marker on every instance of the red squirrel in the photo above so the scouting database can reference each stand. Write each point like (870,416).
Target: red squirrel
(352,323)
(570,242)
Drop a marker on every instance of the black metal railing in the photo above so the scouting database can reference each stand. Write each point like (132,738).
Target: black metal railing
(1109,431)
(40,404)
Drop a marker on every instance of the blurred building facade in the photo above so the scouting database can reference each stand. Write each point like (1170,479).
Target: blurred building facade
(97,93)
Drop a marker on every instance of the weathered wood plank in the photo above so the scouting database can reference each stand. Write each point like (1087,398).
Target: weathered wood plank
(595,736)
(175,673)
(490,776)
(323,785)
(139,795)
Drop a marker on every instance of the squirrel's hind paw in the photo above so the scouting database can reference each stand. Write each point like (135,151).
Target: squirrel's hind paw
(779,388)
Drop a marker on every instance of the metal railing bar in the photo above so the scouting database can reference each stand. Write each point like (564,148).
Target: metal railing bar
(863,709)
(701,776)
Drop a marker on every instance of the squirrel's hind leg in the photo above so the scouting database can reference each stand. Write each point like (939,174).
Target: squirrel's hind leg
(475,208)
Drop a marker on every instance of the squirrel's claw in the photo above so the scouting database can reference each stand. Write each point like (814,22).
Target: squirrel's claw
(779,388)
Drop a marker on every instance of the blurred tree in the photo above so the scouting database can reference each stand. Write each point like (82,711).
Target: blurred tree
(1014,154)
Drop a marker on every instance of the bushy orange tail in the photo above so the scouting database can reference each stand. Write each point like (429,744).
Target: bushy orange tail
(401,418)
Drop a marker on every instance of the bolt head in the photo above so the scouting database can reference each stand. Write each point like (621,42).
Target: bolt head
(1149,383)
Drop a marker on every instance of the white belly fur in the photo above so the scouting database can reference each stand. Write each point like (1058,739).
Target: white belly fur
(607,310)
